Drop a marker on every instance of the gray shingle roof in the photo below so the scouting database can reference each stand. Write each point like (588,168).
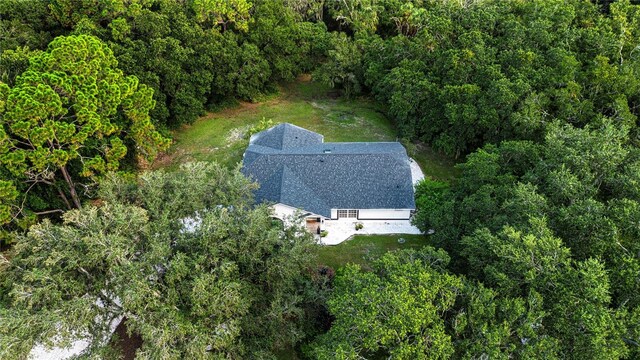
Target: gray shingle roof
(294,167)
(286,136)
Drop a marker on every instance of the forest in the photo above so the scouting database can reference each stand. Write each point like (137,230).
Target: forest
(533,249)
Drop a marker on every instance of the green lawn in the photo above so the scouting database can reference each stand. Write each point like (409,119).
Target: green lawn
(220,136)
(362,249)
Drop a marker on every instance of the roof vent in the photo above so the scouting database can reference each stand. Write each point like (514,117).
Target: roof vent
(327,151)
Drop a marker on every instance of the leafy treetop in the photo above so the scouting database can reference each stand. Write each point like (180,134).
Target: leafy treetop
(71,115)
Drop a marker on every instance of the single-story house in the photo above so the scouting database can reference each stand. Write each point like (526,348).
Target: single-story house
(297,170)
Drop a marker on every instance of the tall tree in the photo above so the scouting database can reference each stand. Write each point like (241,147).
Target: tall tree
(71,12)
(343,68)
(70,117)
(197,270)
(223,13)
(394,311)
(459,75)
(533,218)
(26,24)
(357,15)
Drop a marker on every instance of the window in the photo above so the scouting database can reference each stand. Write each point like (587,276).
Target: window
(347,213)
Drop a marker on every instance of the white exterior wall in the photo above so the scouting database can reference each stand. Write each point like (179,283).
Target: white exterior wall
(282,211)
(364,214)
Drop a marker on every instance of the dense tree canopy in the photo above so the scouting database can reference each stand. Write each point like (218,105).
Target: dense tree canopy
(161,64)
(459,76)
(193,54)
(184,256)
(544,213)
(69,117)
(557,218)
(394,309)
(536,250)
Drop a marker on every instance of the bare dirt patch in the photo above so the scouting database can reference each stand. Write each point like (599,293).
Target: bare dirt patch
(163,160)
(166,159)
(304,78)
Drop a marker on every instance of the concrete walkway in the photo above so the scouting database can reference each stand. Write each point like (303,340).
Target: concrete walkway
(416,172)
(342,229)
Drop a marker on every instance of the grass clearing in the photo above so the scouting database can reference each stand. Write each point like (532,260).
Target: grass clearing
(220,136)
(362,249)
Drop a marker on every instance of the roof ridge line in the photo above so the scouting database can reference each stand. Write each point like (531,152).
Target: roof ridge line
(364,142)
(332,153)
(284,134)
(284,168)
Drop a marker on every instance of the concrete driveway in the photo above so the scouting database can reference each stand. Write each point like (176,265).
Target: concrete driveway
(342,229)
